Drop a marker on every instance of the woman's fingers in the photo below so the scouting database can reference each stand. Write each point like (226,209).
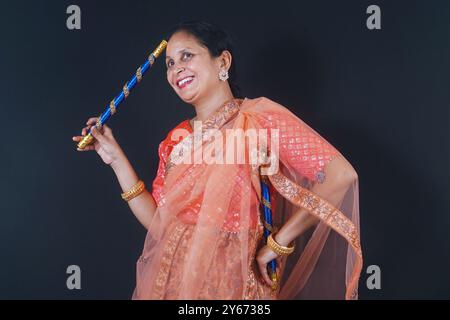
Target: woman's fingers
(264,273)
(98,135)
(107,131)
(266,255)
(87,148)
(85,130)
(92,120)
(89,123)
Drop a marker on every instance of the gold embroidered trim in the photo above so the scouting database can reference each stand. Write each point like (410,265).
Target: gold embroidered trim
(255,287)
(332,216)
(166,260)
(319,207)
(218,119)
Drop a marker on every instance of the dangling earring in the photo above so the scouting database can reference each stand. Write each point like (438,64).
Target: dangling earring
(223,75)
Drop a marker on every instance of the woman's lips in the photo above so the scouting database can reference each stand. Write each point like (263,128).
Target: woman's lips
(185,81)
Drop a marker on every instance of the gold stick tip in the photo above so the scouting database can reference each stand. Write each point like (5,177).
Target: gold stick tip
(274,278)
(87,140)
(160,48)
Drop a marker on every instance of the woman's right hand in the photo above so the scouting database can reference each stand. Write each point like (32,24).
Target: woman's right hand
(104,143)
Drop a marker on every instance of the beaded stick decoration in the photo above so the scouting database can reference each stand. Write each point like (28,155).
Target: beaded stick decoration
(111,109)
(268,225)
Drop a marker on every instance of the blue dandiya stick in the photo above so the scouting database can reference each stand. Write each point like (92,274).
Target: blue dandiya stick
(111,109)
(268,225)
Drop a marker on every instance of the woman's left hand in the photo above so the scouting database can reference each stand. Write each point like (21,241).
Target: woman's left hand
(264,256)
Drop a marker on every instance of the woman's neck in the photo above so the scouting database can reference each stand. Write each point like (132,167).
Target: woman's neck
(210,104)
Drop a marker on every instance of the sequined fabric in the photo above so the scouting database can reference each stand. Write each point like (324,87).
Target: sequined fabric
(190,213)
(223,280)
(300,146)
(205,234)
(165,148)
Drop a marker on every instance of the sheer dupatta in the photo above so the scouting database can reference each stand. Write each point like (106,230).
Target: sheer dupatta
(328,259)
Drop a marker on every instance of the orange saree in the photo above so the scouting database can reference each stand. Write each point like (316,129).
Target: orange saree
(207,228)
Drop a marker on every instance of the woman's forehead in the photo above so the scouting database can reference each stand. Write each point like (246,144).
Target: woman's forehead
(179,42)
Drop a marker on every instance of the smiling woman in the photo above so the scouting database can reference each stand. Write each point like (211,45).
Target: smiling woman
(199,61)
(205,229)
(205,239)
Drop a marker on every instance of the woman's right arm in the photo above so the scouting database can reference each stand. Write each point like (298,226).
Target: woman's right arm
(143,205)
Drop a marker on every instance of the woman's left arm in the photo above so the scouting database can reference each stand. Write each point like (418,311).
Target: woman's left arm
(339,175)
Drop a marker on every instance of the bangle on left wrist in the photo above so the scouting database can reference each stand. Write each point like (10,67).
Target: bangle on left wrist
(281,240)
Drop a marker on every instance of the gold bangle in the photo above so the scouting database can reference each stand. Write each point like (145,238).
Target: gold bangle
(134,191)
(279,249)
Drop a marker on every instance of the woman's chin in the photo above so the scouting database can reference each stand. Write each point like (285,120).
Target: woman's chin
(188,97)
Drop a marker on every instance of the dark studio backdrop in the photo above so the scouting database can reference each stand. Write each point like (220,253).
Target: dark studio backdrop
(380,96)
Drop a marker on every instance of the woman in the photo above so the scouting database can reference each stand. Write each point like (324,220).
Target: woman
(203,218)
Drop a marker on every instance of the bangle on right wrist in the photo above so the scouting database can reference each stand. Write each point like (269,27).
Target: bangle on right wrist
(134,191)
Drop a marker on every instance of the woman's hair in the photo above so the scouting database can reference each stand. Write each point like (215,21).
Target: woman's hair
(216,40)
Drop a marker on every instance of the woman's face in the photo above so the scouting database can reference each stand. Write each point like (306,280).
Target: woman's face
(191,71)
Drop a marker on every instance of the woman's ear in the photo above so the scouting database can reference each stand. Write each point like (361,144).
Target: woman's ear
(225,59)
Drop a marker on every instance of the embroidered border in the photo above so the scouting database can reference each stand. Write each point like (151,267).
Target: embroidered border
(332,216)
(218,119)
(166,260)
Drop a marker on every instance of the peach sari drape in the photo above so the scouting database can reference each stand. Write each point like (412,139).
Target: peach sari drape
(207,228)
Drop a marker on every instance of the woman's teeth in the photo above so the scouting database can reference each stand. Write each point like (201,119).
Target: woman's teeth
(185,81)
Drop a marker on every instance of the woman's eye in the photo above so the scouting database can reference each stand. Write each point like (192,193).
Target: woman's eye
(184,57)
(187,55)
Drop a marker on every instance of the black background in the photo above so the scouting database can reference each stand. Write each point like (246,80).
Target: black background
(381,97)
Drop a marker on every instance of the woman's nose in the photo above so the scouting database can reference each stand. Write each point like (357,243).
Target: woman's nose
(180,69)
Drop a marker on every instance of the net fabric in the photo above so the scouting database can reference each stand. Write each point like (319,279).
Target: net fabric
(207,228)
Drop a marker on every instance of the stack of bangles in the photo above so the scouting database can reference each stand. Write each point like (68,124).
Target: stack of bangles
(134,191)
(279,249)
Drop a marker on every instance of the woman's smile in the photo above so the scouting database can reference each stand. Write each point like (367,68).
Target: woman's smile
(185,81)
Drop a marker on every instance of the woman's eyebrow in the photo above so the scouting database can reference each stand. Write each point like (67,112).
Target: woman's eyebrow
(180,51)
